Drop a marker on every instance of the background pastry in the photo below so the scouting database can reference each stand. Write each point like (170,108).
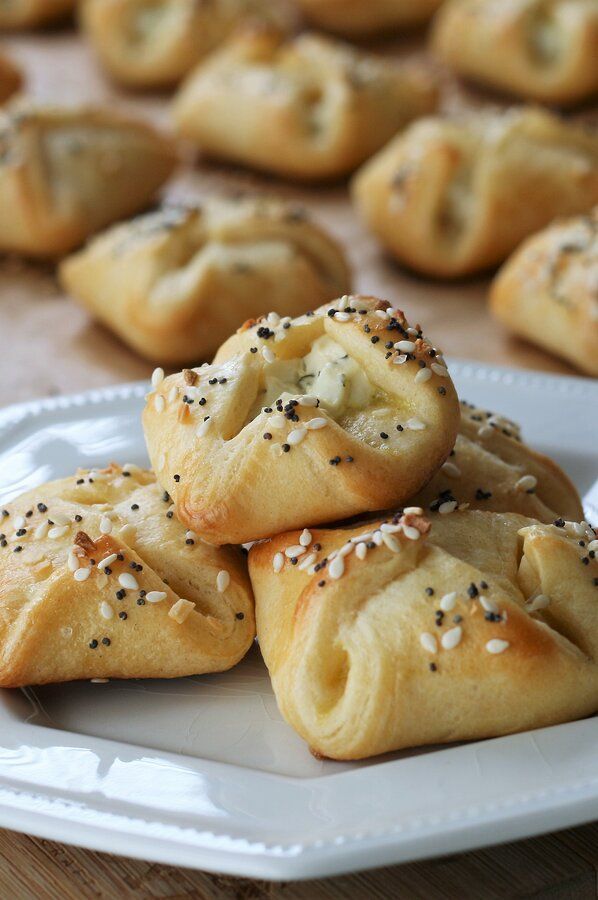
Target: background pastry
(384,636)
(16,14)
(154,43)
(356,18)
(490,468)
(450,197)
(67,172)
(98,579)
(11,78)
(310,108)
(548,291)
(541,51)
(337,412)
(175,283)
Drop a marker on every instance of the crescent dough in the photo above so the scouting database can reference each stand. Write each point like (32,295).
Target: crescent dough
(65,173)
(174,284)
(154,44)
(542,51)
(162,607)
(490,468)
(245,450)
(32,13)
(11,78)
(486,626)
(548,291)
(310,108)
(355,18)
(452,197)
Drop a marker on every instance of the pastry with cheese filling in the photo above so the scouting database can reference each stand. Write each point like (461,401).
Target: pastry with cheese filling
(358,19)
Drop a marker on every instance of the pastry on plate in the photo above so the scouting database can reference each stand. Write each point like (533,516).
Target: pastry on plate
(390,635)
(309,108)
(358,19)
(490,468)
(548,291)
(99,580)
(174,284)
(335,413)
(67,172)
(547,52)
(11,78)
(154,43)
(451,197)
(15,14)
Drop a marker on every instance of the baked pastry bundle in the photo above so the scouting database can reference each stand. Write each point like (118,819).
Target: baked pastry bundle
(450,197)
(413,631)
(491,468)
(358,19)
(548,291)
(153,44)
(67,172)
(99,580)
(174,284)
(310,108)
(299,421)
(547,52)
(16,14)
(11,78)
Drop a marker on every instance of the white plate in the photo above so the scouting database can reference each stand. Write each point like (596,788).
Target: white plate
(203,772)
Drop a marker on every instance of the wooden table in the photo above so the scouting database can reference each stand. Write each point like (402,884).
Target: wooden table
(49,346)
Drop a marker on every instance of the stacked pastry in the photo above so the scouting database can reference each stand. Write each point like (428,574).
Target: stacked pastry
(418,625)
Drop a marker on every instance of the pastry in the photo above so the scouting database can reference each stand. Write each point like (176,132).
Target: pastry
(547,52)
(65,173)
(548,291)
(329,415)
(11,78)
(490,468)
(310,108)
(392,635)
(453,197)
(356,19)
(154,44)
(15,14)
(99,580)
(175,283)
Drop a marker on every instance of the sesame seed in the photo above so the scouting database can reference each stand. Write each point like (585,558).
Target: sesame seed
(128,581)
(222,581)
(305,538)
(157,377)
(105,525)
(203,428)
(447,507)
(342,317)
(488,604)
(82,574)
(41,531)
(415,425)
(526,483)
(411,532)
(156,596)
(268,355)
(451,470)
(336,567)
(106,610)
(391,542)
(57,532)
(361,551)
(297,435)
(405,346)
(413,511)
(442,371)
(294,551)
(428,642)
(108,560)
(452,638)
(541,601)
(278,562)
(422,376)
(307,400)
(316,424)
(496,645)
(73,562)
(159,403)
(447,603)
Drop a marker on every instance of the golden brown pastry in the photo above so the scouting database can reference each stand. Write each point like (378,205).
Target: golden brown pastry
(154,43)
(453,197)
(357,18)
(543,51)
(99,580)
(385,636)
(15,14)
(490,468)
(11,78)
(310,108)
(65,173)
(175,283)
(548,291)
(313,419)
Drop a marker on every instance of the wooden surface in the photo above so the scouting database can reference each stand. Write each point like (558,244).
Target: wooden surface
(50,346)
